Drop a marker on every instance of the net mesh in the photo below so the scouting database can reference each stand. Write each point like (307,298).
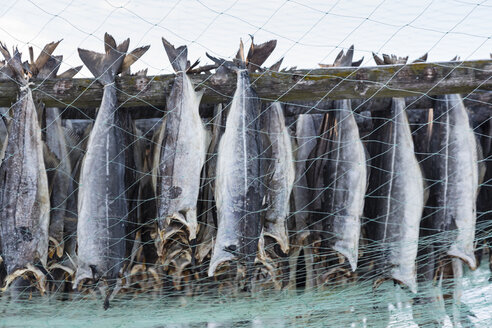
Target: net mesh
(363,212)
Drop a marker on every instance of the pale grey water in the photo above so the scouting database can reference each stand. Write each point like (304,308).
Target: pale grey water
(351,306)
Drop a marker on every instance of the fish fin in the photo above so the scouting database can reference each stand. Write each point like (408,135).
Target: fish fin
(191,67)
(178,57)
(70,72)
(338,59)
(358,63)
(251,48)
(142,72)
(377,59)
(50,68)
(51,163)
(50,159)
(347,58)
(45,55)
(421,59)
(104,67)
(260,54)
(132,57)
(276,67)
(73,144)
(389,59)
(222,65)
(14,62)
(240,53)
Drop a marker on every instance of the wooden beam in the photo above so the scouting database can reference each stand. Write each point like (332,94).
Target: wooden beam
(295,85)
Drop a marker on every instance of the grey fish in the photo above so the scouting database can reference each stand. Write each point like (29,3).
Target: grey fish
(24,195)
(183,150)
(102,204)
(344,179)
(396,195)
(453,171)
(238,189)
(399,199)
(60,177)
(280,175)
(484,203)
(306,135)
(208,230)
(5,74)
(338,177)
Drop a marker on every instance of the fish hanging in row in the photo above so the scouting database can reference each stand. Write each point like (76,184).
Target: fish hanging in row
(238,188)
(279,180)
(337,177)
(396,195)
(102,201)
(24,193)
(182,151)
(58,158)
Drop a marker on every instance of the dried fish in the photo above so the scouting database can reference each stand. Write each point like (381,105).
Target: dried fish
(24,194)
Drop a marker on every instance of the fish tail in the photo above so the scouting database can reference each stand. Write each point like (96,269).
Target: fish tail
(105,66)
(177,56)
(14,62)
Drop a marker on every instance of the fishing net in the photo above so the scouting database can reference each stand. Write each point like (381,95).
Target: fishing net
(372,212)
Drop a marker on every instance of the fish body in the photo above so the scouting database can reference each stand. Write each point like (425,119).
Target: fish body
(307,133)
(344,177)
(397,199)
(103,213)
(238,187)
(453,171)
(62,177)
(183,150)
(280,176)
(24,194)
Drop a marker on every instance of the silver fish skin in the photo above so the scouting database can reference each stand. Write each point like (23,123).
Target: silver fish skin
(55,140)
(24,194)
(398,199)
(345,179)
(238,187)
(102,205)
(183,150)
(454,174)
(307,133)
(280,176)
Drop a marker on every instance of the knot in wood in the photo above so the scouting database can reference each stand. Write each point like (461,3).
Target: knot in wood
(142,84)
(61,86)
(429,74)
(361,88)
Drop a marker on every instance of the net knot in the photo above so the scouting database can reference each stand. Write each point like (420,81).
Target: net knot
(26,86)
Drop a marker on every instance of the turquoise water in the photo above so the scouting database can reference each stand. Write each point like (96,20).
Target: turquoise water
(355,305)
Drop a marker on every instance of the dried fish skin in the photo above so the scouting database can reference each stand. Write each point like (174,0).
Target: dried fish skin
(103,213)
(453,172)
(24,194)
(397,197)
(345,177)
(238,187)
(280,176)
(183,150)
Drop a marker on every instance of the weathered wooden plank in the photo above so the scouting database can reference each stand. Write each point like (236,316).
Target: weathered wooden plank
(295,85)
